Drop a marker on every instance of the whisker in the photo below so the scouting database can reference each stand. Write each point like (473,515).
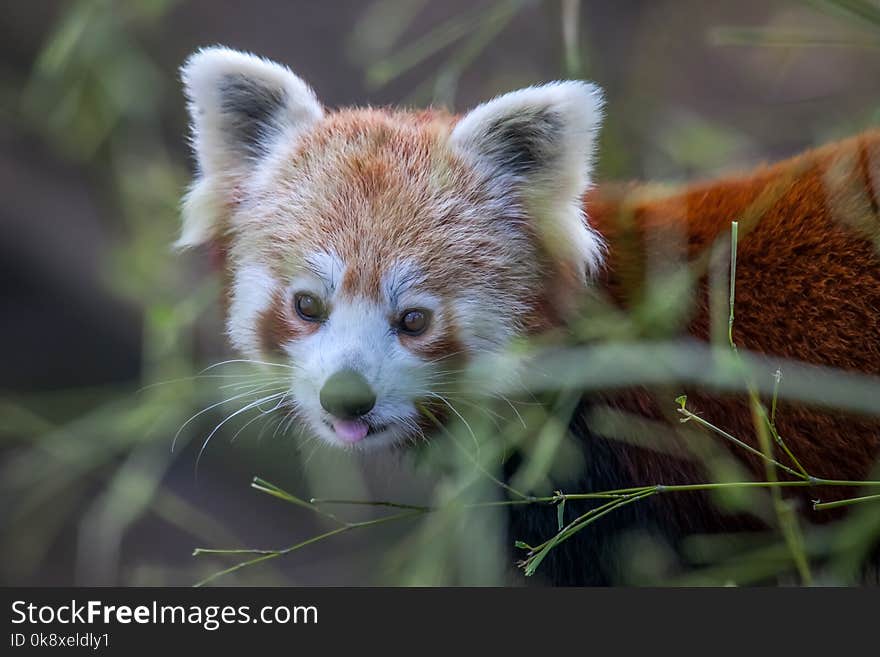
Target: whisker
(300,434)
(212,406)
(455,371)
(413,426)
(460,417)
(514,409)
(492,415)
(284,418)
(245,360)
(254,404)
(195,377)
(235,386)
(266,426)
(313,452)
(258,416)
(291,419)
(276,407)
(444,357)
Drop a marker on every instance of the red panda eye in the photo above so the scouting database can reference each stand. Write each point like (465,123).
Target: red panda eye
(414,321)
(308,307)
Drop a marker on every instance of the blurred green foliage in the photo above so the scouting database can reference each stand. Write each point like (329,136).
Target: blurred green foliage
(99,454)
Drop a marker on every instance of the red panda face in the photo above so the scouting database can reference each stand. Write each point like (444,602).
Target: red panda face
(376,251)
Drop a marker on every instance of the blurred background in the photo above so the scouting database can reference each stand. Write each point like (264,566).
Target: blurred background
(98,309)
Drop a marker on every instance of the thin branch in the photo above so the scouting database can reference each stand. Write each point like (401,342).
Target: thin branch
(818,506)
(266,555)
(688,415)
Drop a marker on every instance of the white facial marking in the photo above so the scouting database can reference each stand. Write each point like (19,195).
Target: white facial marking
(320,274)
(252,294)
(360,334)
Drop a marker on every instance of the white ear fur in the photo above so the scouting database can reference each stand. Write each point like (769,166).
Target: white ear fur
(240,107)
(539,142)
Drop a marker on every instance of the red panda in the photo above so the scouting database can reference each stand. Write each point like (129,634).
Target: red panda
(362,247)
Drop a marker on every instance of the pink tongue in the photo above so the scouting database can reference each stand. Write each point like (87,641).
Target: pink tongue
(351,431)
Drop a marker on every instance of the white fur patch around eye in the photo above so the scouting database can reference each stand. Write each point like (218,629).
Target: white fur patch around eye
(320,273)
(326,266)
(252,294)
(400,288)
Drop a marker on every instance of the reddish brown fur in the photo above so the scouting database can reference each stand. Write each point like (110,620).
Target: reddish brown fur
(807,287)
(279,325)
(385,189)
(435,345)
(367,214)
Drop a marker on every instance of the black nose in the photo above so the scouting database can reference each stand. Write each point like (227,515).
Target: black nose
(347,395)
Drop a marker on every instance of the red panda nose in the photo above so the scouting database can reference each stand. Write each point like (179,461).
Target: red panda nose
(347,395)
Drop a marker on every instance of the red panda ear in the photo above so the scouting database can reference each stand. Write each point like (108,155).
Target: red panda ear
(240,107)
(538,142)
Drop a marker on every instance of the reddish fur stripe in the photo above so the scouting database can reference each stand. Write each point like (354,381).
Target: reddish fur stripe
(277,325)
(808,282)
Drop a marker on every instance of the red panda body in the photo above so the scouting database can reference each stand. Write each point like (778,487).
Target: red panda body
(807,278)
(807,289)
(363,249)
